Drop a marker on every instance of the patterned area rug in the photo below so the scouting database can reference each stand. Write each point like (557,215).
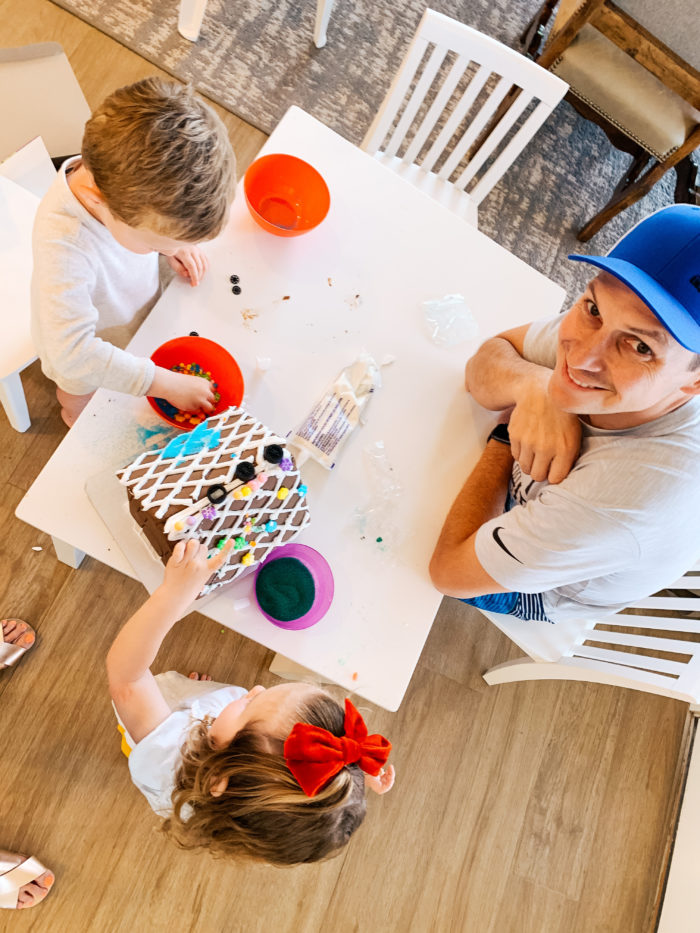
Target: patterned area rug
(257,57)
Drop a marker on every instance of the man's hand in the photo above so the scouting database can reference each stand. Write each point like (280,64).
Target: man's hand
(189,568)
(188,393)
(544,440)
(383,782)
(190,263)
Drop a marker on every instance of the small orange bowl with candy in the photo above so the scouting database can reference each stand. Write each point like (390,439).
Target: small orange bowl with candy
(198,356)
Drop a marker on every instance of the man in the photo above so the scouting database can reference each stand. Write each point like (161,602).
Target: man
(600,476)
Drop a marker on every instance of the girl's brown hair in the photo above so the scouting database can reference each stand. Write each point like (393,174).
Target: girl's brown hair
(264,813)
(162,160)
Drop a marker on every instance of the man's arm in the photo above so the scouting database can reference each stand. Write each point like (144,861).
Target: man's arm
(454,568)
(544,440)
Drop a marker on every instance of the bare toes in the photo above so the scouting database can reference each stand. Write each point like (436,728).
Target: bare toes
(30,894)
(16,632)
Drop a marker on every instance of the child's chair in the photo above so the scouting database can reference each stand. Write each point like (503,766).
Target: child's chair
(460,110)
(614,651)
(23,179)
(39,97)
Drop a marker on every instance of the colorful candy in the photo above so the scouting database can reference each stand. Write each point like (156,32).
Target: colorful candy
(282,493)
(193,417)
(247,559)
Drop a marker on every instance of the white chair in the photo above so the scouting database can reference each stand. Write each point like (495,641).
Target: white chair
(24,178)
(40,96)
(42,113)
(669,666)
(501,86)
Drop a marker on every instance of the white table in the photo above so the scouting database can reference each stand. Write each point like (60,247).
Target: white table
(312,304)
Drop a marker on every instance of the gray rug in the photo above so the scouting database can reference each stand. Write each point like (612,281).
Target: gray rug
(257,57)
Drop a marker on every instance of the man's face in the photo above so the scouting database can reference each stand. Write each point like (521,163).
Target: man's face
(616,362)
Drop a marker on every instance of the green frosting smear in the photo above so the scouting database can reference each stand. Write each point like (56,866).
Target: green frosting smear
(285,589)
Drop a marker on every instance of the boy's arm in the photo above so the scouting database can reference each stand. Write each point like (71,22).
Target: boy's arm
(544,439)
(454,567)
(132,686)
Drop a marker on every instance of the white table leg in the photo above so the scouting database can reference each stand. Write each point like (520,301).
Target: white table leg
(14,402)
(190,18)
(323,15)
(67,554)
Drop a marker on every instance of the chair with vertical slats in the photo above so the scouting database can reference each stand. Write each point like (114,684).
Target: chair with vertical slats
(460,110)
(635,648)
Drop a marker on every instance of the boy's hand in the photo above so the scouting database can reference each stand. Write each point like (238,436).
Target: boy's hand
(190,263)
(189,568)
(383,782)
(188,393)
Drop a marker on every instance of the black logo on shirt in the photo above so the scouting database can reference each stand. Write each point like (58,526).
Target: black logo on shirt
(497,539)
(695,282)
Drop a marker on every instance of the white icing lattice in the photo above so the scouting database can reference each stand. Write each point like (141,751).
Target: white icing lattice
(174,491)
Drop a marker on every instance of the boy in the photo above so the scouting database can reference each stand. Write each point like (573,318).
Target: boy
(156,175)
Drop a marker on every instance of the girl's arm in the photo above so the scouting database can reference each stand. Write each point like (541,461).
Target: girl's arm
(132,686)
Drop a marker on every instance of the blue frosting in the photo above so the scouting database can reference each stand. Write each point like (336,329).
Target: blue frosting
(191,443)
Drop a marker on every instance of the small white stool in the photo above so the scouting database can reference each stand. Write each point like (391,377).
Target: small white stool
(191,14)
(23,178)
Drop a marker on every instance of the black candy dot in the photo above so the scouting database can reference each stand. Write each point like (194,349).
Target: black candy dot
(234,280)
(245,470)
(273,453)
(236,289)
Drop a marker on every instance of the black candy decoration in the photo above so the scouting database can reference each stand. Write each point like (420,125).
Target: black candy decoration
(273,453)
(216,494)
(245,470)
(193,333)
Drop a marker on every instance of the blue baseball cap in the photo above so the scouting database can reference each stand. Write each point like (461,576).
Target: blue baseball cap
(659,260)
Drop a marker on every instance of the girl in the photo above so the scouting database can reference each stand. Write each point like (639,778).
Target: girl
(275,774)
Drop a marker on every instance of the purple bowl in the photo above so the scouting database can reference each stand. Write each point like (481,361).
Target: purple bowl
(318,567)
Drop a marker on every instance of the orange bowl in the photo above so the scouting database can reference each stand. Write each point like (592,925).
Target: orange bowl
(212,358)
(285,195)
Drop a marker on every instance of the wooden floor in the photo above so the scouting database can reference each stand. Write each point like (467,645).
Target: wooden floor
(532,808)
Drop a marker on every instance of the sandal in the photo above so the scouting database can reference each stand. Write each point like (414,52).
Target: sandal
(10,652)
(16,871)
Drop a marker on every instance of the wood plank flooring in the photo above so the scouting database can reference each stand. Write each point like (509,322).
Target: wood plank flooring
(530,808)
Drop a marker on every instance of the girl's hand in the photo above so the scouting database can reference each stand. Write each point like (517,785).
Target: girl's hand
(189,568)
(190,263)
(383,782)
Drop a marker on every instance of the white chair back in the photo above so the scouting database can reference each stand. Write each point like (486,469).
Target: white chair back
(40,96)
(633,648)
(487,85)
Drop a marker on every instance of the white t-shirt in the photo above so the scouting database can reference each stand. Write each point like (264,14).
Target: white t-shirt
(89,296)
(154,761)
(623,524)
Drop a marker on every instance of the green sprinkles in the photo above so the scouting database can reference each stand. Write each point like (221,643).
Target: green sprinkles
(285,589)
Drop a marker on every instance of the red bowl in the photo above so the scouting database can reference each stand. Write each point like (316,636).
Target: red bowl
(213,358)
(285,195)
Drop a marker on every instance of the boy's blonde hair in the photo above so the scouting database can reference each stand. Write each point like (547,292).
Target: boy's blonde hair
(162,160)
(263,813)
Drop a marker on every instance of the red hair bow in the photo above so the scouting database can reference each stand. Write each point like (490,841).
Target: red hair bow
(315,755)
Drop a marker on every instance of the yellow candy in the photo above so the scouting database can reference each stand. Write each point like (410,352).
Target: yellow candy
(283,493)
(245,491)
(178,526)
(237,494)
(247,560)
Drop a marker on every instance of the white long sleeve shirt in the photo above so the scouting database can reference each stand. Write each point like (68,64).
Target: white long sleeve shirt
(89,296)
